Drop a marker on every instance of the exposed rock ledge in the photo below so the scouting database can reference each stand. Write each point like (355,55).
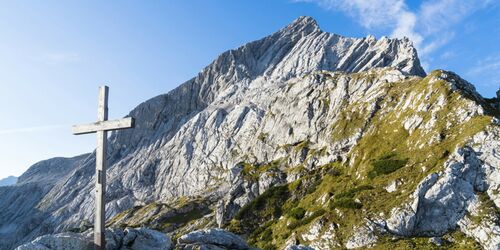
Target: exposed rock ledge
(211,239)
(116,239)
(139,238)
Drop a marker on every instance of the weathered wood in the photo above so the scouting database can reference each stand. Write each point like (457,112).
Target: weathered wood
(103,126)
(100,190)
(102,107)
(100,166)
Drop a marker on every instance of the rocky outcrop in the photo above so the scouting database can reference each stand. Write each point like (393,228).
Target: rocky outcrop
(211,239)
(298,247)
(21,219)
(116,239)
(362,237)
(8,181)
(183,139)
(272,113)
(59,241)
(443,201)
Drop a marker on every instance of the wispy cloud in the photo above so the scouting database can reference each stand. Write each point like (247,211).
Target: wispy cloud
(60,57)
(428,26)
(490,63)
(487,69)
(32,129)
(447,55)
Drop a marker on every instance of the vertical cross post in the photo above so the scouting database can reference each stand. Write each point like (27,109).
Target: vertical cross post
(100,166)
(101,127)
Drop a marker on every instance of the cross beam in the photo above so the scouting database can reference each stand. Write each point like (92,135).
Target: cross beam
(101,127)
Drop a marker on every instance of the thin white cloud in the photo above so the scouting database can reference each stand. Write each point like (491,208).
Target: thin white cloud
(488,70)
(369,13)
(436,43)
(438,15)
(405,27)
(490,63)
(428,26)
(448,55)
(60,57)
(32,129)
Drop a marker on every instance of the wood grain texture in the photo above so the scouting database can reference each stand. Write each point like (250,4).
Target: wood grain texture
(103,126)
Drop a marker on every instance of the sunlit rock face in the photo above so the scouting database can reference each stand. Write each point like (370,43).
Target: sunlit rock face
(299,106)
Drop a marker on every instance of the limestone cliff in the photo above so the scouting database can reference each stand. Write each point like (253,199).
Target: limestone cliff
(302,137)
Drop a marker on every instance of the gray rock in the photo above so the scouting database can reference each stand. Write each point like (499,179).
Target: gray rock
(201,247)
(146,239)
(8,181)
(116,239)
(298,247)
(32,246)
(184,138)
(443,199)
(59,242)
(291,87)
(363,237)
(216,236)
(436,241)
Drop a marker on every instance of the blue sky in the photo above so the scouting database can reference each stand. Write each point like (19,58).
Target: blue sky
(55,54)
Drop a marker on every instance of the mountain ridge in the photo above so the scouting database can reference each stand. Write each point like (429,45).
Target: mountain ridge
(213,130)
(9,180)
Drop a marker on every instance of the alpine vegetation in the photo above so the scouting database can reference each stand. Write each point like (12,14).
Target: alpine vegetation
(300,140)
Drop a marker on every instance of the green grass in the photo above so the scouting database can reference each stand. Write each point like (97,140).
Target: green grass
(252,172)
(266,206)
(387,164)
(351,192)
(183,217)
(347,192)
(345,202)
(297,213)
(306,220)
(458,241)
(161,216)
(263,137)
(303,145)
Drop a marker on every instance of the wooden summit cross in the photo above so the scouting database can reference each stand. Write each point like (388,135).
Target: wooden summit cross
(101,127)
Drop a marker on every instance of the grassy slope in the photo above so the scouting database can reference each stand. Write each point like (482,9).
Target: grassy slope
(355,190)
(346,193)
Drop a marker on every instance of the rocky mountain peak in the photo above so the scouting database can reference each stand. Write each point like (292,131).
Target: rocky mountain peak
(295,108)
(303,24)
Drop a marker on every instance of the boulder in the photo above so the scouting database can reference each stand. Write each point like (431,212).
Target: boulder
(143,238)
(215,238)
(59,242)
(116,239)
(298,247)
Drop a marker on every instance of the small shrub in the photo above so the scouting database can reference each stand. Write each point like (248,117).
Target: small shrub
(252,172)
(297,213)
(262,136)
(265,206)
(312,187)
(351,192)
(269,246)
(267,235)
(301,145)
(306,220)
(386,164)
(345,203)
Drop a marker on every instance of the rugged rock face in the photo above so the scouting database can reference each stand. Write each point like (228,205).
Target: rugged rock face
(20,218)
(8,181)
(116,239)
(211,239)
(59,241)
(138,239)
(303,139)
